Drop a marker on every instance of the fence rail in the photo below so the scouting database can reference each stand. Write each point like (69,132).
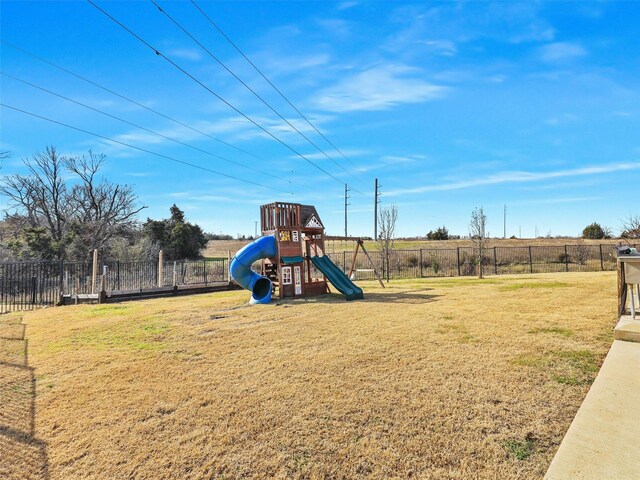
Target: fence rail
(463,261)
(30,285)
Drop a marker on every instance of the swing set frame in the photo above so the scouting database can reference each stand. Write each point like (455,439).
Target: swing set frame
(359,244)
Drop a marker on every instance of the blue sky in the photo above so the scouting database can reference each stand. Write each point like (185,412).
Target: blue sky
(451,105)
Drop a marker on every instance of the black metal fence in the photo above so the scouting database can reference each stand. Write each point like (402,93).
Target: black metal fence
(29,285)
(463,261)
(25,286)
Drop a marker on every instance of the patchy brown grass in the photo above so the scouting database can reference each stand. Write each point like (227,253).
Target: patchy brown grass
(443,378)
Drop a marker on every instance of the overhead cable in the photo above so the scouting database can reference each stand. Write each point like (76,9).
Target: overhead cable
(256,94)
(271,83)
(139,126)
(167,157)
(192,77)
(141,105)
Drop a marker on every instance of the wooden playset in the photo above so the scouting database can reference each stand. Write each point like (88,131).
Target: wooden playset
(291,251)
(299,235)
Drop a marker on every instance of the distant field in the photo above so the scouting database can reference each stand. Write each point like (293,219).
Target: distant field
(436,378)
(219,248)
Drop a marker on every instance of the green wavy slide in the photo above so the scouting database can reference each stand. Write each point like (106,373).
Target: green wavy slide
(337,278)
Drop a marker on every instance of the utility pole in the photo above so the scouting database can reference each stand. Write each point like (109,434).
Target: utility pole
(346,204)
(375,210)
(504,234)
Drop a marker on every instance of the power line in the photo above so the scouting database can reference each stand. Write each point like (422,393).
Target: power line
(256,94)
(141,105)
(167,157)
(137,126)
(185,72)
(271,83)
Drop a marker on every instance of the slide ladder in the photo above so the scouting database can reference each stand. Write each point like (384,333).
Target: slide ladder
(337,278)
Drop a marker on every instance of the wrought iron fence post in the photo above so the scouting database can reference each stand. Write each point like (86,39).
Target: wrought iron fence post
(566,259)
(94,271)
(34,281)
(161,268)
(118,273)
(458,253)
(3,279)
(601,259)
(61,276)
(530,261)
(421,275)
(175,278)
(204,266)
(495,261)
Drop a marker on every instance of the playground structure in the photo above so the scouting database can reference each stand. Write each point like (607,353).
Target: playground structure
(291,251)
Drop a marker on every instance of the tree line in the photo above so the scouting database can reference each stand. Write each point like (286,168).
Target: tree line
(62,208)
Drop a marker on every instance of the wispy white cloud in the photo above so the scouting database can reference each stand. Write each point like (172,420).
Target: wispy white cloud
(519,177)
(442,47)
(497,78)
(551,201)
(466,22)
(561,51)
(390,161)
(335,27)
(349,153)
(346,5)
(190,54)
(396,159)
(379,88)
(564,119)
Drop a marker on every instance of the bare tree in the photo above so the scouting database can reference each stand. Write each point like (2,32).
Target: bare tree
(478,234)
(631,227)
(80,216)
(41,196)
(387,218)
(102,209)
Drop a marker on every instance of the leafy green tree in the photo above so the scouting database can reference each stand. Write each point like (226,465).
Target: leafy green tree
(176,237)
(594,231)
(441,233)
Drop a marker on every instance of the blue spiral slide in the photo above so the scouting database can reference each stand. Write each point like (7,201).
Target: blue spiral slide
(240,268)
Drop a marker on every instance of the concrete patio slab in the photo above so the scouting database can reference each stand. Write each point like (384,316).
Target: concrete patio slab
(603,442)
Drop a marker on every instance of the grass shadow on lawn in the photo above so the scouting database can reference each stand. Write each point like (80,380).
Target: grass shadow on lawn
(403,296)
(22,455)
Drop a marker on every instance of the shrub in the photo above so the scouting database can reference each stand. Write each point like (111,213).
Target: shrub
(435,262)
(594,231)
(441,233)
(582,254)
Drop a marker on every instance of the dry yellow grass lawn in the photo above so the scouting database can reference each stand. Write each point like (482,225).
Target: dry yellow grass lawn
(439,378)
